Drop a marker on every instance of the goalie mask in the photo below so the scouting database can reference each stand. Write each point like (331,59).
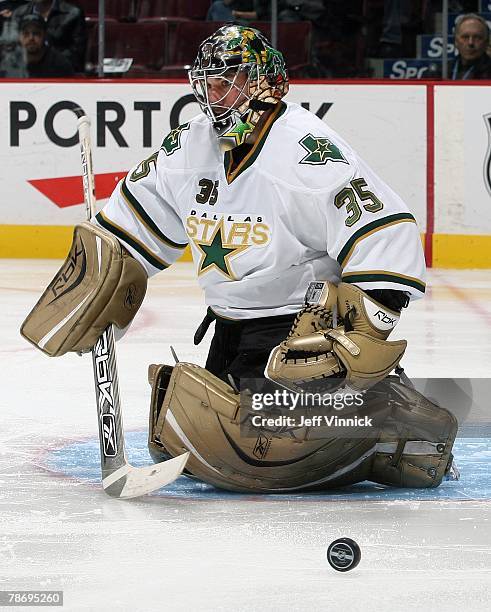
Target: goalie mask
(236,77)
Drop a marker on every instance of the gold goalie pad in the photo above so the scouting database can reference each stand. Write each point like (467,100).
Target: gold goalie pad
(415,444)
(192,410)
(99,283)
(341,332)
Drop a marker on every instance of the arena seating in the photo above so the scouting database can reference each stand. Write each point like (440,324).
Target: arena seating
(165,37)
(189,9)
(115,9)
(187,37)
(146,43)
(155,9)
(294,41)
(194,9)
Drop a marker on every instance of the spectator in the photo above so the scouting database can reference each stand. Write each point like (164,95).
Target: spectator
(301,10)
(291,10)
(12,63)
(42,60)
(238,11)
(233,10)
(471,40)
(65,28)
(7,6)
(397,14)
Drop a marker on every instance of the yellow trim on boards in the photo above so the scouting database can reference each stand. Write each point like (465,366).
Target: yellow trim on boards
(35,241)
(461,251)
(41,242)
(53,242)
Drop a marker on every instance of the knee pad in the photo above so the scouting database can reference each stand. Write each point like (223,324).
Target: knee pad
(191,409)
(414,448)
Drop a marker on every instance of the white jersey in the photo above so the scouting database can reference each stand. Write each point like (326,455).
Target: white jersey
(300,206)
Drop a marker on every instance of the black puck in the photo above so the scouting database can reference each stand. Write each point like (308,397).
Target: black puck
(343,554)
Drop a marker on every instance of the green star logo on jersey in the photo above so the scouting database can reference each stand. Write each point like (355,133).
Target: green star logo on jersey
(240,131)
(215,255)
(320,150)
(172,142)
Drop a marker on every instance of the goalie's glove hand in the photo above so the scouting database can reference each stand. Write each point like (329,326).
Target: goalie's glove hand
(356,348)
(319,312)
(312,318)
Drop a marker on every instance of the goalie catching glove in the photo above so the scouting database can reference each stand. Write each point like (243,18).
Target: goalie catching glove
(341,332)
(99,283)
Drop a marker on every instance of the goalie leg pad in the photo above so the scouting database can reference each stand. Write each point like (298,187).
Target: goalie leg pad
(414,449)
(99,283)
(193,410)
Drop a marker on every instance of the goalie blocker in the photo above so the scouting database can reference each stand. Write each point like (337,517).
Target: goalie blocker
(98,284)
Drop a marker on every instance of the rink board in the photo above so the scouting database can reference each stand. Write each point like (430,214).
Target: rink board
(40,156)
(80,461)
(431,142)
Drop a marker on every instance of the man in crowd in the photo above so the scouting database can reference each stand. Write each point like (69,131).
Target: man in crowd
(260,10)
(471,40)
(291,10)
(65,27)
(231,10)
(42,60)
(7,6)
(12,64)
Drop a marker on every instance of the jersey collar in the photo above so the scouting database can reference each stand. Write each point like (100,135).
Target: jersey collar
(248,160)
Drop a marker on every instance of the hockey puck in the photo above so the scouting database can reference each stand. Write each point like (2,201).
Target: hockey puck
(343,554)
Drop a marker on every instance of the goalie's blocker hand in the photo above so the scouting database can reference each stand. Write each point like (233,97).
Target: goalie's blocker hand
(340,332)
(98,284)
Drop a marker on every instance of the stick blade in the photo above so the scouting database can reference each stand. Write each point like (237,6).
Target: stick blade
(127,481)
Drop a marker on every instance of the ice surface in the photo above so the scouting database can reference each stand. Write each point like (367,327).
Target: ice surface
(205,550)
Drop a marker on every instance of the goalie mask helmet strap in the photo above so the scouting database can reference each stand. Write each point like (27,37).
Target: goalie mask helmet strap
(230,54)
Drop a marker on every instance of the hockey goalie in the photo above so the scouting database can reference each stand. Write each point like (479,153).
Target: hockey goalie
(306,258)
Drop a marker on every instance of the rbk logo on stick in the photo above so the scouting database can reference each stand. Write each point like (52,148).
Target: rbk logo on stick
(105,396)
(109,428)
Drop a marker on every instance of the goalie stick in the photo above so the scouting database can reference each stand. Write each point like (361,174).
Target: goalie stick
(119,478)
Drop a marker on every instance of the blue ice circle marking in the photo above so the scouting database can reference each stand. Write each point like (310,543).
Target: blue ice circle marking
(80,460)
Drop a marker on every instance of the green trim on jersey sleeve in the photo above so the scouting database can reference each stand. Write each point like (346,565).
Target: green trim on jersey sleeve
(365,231)
(145,218)
(374,276)
(139,247)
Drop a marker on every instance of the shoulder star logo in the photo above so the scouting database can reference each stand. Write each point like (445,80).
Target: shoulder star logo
(214,255)
(172,142)
(240,131)
(320,150)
